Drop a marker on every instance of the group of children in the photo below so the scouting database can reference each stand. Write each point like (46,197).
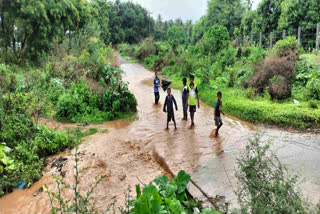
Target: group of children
(190,99)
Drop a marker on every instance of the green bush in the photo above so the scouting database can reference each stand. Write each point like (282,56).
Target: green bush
(286,47)
(227,57)
(313,87)
(215,40)
(313,104)
(167,196)
(55,90)
(29,144)
(68,106)
(250,93)
(265,185)
(308,75)
(176,36)
(257,54)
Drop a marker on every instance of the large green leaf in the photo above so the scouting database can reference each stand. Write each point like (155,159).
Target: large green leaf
(174,206)
(169,190)
(141,206)
(156,202)
(138,191)
(150,190)
(182,180)
(161,181)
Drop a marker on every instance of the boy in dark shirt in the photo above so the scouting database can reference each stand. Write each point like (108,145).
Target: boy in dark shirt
(185,99)
(157,85)
(217,112)
(168,107)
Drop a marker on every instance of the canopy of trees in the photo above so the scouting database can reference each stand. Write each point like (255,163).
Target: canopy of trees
(28,28)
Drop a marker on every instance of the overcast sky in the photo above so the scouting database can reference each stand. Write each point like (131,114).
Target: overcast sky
(172,9)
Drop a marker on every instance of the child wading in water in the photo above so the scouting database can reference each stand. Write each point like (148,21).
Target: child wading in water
(185,99)
(168,107)
(193,99)
(157,85)
(217,112)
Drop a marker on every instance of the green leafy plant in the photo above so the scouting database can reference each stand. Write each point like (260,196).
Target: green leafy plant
(167,196)
(265,186)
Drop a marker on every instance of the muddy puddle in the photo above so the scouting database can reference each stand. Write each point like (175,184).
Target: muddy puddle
(137,151)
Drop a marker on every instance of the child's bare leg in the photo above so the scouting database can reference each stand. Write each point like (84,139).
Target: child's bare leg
(167,124)
(218,128)
(192,118)
(175,126)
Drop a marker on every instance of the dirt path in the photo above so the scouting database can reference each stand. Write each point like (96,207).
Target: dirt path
(143,149)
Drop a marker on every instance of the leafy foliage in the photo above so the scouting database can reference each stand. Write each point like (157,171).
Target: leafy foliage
(176,36)
(215,40)
(265,185)
(167,196)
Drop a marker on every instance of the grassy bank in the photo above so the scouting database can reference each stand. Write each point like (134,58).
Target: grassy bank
(257,109)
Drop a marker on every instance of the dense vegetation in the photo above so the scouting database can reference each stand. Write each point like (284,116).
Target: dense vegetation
(278,86)
(56,62)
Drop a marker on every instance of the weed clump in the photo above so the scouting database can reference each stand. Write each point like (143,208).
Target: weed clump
(265,185)
(279,66)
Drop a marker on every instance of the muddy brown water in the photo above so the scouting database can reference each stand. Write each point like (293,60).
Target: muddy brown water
(138,151)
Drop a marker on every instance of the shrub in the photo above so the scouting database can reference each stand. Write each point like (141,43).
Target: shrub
(308,75)
(215,40)
(274,66)
(313,104)
(227,57)
(250,93)
(313,87)
(176,36)
(265,185)
(55,90)
(68,106)
(257,54)
(279,88)
(288,46)
(145,49)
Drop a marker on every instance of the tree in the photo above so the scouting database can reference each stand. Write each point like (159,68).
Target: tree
(198,30)
(250,23)
(101,12)
(227,13)
(249,4)
(159,22)
(29,27)
(215,40)
(129,22)
(178,22)
(176,36)
(269,11)
(297,13)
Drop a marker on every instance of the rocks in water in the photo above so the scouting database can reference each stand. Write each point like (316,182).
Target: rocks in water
(40,190)
(58,164)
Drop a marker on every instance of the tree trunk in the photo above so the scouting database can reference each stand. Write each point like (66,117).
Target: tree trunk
(24,45)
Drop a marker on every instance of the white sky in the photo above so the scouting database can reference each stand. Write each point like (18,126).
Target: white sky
(173,9)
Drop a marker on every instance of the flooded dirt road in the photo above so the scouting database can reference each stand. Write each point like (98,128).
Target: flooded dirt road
(138,151)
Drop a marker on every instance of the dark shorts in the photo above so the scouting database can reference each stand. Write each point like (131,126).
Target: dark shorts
(170,115)
(218,121)
(193,108)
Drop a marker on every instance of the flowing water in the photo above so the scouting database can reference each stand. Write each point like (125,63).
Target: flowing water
(134,152)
